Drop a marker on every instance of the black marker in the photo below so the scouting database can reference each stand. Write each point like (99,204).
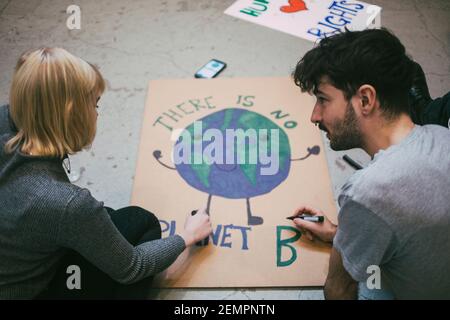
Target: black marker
(352,162)
(203,242)
(319,219)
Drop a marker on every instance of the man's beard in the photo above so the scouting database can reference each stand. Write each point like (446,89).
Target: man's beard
(345,134)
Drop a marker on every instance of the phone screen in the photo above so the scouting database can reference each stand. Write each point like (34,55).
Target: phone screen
(211,69)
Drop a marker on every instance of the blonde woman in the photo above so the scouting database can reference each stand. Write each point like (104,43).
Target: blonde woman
(48,224)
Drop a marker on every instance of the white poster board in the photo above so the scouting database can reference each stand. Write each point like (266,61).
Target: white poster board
(308,19)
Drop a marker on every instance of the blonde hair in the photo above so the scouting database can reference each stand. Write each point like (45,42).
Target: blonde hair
(53,100)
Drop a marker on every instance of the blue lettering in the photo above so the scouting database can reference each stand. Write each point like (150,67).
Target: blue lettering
(341,14)
(216,234)
(335,5)
(170,227)
(329,18)
(244,236)
(331,27)
(226,235)
(357,6)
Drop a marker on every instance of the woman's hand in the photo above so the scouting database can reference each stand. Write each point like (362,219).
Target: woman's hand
(325,230)
(197,227)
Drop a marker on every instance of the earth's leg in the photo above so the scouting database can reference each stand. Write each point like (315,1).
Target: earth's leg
(252,220)
(208,204)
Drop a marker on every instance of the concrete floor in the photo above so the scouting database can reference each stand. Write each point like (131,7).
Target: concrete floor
(136,41)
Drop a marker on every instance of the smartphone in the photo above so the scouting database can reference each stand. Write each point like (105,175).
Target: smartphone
(211,69)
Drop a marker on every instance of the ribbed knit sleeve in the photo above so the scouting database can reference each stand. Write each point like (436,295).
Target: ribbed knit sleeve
(87,228)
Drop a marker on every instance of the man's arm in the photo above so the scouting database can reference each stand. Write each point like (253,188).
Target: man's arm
(339,284)
(364,239)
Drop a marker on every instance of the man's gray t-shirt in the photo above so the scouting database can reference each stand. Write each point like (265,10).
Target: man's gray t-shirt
(396,214)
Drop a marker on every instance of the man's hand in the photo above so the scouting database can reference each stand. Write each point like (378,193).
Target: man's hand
(324,231)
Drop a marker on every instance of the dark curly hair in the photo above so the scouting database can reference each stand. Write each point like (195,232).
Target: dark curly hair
(354,58)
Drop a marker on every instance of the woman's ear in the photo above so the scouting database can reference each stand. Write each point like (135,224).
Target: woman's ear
(367,96)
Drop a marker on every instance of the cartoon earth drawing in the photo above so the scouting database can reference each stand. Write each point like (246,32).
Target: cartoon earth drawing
(237,181)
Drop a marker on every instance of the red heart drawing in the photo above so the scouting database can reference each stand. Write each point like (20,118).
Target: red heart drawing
(294,6)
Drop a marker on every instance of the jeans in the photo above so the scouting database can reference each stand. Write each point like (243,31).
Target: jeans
(137,226)
(365,293)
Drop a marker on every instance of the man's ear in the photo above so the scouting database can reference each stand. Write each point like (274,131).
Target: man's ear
(367,99)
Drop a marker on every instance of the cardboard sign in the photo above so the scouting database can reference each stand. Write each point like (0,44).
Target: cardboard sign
(308,19)
(259,183)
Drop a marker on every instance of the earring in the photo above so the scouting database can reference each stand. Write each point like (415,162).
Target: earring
(65,166)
